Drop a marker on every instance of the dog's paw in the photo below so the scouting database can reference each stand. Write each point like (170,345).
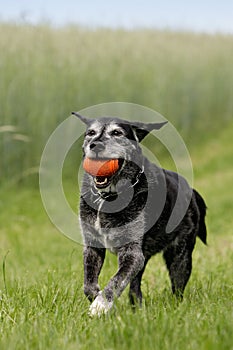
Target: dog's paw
(100,306)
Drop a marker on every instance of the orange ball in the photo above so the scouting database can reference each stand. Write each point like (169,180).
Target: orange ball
(100,167)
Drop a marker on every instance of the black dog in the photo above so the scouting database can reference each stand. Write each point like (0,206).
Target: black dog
(136,212)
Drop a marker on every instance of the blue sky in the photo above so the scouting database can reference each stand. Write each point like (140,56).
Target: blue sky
(197,15)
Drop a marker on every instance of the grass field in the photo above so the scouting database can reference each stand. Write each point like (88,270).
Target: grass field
(42,302)
(47,73)
(42,305)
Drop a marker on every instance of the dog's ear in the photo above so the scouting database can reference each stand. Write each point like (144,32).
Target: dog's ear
(143,129)
(85,120)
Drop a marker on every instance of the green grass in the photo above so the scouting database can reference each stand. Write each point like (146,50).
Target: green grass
(42,302)
(45,74)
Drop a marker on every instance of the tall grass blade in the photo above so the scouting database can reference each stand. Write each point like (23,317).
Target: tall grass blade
(4,272)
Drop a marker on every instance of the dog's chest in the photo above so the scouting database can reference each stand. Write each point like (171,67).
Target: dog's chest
(107,233)
(98,218)
(117,229)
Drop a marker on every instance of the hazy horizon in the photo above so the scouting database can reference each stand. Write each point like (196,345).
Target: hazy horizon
(207,17)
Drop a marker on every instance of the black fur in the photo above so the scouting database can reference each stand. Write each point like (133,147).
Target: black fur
(138,230)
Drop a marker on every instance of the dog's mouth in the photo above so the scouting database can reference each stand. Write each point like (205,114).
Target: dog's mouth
(104,181)
(103,171)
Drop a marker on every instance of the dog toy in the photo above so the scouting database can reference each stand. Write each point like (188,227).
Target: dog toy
(97,167)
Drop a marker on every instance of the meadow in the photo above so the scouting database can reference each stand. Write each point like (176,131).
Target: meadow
(45,73)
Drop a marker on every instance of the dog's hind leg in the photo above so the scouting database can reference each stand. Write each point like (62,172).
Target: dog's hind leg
(178,258)
(135,293)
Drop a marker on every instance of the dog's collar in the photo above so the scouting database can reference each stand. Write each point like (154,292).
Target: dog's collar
(106,195)
(138,176)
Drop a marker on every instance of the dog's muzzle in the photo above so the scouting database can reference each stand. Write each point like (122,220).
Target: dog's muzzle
(102,170)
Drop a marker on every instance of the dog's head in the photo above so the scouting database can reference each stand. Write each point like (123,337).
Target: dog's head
(114,139)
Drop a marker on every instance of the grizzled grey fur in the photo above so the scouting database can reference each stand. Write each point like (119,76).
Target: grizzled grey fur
(129,214)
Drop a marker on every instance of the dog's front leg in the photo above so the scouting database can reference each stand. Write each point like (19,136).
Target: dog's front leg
(131,261)
(93,262)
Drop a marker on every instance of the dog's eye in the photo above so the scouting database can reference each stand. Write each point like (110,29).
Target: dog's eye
(116,133)
(91,133)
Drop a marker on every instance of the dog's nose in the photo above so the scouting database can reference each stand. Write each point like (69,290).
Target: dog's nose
(96,147)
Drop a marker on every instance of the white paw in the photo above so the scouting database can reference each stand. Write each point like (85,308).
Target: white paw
(100,306)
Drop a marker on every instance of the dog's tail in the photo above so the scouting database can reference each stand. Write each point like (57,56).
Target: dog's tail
(202,234)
